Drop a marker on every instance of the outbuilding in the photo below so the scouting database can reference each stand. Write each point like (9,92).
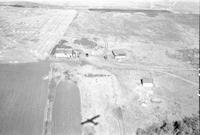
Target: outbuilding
(62,51)
(62,54)
(119,54)
(147,82)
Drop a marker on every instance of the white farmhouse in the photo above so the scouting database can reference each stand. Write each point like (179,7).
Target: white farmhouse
(147,82)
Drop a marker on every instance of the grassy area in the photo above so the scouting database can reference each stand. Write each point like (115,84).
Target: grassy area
(154,26)
(86,43)
(186,55)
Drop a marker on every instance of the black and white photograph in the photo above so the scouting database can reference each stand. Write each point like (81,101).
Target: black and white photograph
(99,67)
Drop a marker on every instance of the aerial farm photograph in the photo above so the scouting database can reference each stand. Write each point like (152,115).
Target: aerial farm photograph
(99,67)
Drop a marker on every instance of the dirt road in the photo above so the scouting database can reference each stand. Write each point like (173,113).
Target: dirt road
(99,63)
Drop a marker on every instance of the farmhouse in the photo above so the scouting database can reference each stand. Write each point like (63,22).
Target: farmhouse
(147,82)
(119,54)
(61,54)
(64,51)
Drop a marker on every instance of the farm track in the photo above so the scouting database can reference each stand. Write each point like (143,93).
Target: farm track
(62,110)
(161,69)
(51,96)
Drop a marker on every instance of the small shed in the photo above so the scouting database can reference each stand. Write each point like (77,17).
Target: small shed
(119,54)
(147,82)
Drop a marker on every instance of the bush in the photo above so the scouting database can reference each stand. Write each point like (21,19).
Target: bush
(186,126)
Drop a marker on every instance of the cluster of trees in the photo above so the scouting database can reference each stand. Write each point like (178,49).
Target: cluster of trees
(187,55)
(186,126)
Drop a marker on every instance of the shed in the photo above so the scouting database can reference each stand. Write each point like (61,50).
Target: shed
(147,82)
(119,54)
(60,55)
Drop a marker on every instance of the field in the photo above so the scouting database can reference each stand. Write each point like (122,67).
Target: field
(159,44)
(23,95)
(31,32)
(66,114)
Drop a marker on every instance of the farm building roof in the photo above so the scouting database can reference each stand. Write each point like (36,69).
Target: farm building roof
(147,80)
(119,52)
(64,47)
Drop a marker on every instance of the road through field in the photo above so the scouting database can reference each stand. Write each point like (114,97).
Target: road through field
(66,112)
(161,69)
